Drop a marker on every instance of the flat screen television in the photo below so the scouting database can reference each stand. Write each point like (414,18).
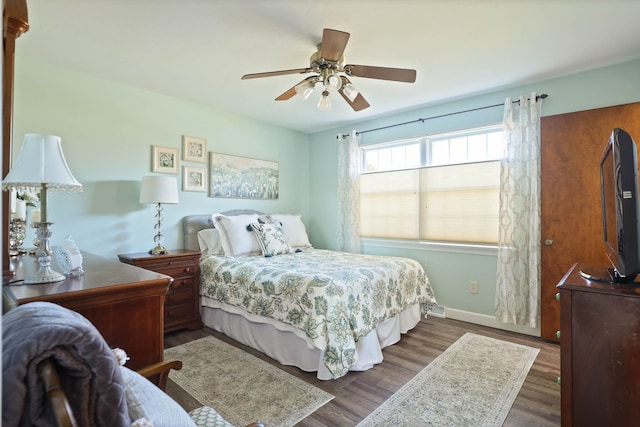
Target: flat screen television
(620,208)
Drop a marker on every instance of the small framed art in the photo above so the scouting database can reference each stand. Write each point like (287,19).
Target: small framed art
(194,179)
(164,159)
(194,149)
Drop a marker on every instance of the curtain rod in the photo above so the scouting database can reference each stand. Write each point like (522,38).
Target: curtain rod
(542,96)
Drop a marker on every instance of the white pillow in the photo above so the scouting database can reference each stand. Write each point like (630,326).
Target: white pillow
(145,400)
(210,242)
(271,240)
(236,239)
(293,230)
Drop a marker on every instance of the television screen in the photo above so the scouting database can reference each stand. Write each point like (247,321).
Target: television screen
(620,209)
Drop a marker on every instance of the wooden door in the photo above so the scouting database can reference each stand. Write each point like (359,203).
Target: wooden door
(571,146)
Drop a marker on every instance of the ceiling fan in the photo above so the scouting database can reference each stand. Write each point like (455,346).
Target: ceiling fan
(328,64)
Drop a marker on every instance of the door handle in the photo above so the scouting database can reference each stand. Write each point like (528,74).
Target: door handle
(548,242)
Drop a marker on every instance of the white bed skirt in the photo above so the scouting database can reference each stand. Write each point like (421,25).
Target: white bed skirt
(290,346)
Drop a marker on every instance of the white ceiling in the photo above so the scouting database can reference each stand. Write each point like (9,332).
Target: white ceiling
(199,49)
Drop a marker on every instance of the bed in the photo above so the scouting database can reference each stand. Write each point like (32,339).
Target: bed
(329,312)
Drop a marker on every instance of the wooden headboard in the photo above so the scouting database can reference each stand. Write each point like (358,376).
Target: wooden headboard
(191,224)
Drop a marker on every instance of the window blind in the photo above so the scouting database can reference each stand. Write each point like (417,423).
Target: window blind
(457,203)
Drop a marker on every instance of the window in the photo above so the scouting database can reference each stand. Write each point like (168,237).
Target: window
(437,188)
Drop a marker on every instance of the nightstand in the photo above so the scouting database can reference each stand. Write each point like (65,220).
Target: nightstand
(182,303)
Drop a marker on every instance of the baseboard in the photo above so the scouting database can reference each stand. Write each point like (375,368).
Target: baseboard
(483,319)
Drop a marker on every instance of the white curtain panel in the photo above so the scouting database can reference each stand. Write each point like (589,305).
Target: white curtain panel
(518,277)
(348,238)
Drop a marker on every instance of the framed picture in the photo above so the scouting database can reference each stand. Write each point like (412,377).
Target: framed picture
(164,159)
(194,149)
(194,178)
(242,177)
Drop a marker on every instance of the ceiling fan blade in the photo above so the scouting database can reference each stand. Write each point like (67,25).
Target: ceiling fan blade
(276,73)
(382,73)
(287,95)
(292,92)
(359,103)
(333,44)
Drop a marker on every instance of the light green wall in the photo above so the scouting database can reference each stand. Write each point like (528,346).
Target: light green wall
(107,131)
(450,273)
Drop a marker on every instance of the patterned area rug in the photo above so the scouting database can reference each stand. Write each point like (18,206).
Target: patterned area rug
(241,387)
(473,383)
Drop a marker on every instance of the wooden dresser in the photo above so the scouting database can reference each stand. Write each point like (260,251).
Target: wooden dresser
(600,352)
(125,303)
(182,305)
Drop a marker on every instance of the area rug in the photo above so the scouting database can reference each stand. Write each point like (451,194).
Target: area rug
(241,387)
(473,383)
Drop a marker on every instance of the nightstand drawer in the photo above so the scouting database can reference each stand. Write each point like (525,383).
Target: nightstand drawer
(180,283)
(178,313)
(166,264)
(176,298)
(180,271)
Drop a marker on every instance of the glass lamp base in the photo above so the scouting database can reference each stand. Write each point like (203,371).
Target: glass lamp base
(159,250)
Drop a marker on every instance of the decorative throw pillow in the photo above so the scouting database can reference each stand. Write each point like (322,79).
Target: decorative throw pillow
(236,236)
(271,239)
(293,230)
(267,219)
(210,242)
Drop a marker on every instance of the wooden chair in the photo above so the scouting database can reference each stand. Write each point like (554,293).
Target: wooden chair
(60,404)
(158,373)
(59,370)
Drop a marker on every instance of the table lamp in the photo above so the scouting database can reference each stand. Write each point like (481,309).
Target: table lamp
(157,190)
(41,166)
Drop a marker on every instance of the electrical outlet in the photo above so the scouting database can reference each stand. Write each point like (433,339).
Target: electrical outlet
(473,287)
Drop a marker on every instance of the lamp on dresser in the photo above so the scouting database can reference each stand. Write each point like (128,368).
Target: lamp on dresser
(157,190)
(41,166)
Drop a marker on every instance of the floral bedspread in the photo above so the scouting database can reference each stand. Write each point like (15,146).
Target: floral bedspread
(336,298)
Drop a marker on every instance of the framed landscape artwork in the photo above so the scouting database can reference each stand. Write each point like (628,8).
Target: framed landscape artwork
(164,159)
(242,177)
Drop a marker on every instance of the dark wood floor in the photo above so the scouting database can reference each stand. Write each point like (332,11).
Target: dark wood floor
(359,393)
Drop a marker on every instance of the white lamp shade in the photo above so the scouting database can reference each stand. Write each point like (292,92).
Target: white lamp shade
(159,189)
(41,161)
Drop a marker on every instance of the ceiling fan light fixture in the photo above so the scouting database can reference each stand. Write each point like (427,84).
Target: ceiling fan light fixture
(350,92)
(305,89)
(328,66)
(324,104)
(333,81)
